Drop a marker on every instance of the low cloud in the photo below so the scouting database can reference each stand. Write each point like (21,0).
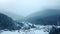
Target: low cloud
(26,7)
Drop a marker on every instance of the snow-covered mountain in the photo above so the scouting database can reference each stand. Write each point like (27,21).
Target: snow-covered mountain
(29,28)
(10,26)
(40,30)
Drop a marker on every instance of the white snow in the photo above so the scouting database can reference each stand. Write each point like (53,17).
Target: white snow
(26,32)
(8,32)
(40,29)
(30,31)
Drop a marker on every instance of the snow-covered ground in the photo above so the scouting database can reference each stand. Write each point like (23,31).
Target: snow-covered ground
(41,30)
(32,31)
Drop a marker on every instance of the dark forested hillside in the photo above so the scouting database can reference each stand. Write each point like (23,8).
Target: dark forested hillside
(6,22)
(46,17)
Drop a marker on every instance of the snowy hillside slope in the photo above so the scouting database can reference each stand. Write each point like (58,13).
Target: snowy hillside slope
(31,31)
(29,28)
(37,30)
(26,32)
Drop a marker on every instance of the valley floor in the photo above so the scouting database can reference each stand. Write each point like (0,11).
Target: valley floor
(38,30)
(26,32)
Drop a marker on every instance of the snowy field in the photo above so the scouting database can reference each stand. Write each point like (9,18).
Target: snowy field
(26,32)
(38,30)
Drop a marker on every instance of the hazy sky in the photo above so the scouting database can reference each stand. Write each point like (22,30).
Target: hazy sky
(26,7)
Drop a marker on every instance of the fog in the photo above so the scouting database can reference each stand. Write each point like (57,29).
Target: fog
(27,7)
